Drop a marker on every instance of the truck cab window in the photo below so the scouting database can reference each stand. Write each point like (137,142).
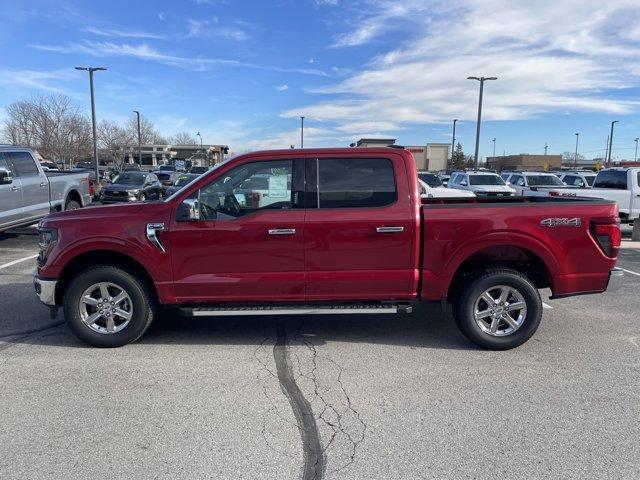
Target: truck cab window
(247,189)
(23,164)
(348,183)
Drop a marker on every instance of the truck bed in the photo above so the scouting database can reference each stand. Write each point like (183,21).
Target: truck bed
(554,233)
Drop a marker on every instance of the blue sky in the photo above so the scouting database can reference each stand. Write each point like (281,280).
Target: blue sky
(241,72)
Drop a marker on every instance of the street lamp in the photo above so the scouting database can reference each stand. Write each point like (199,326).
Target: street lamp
(139,139)
(198,135)
(453,139)
(575,157)
(635,157)
(494,147)
(481,80)
(546,148)
(301,132)
(93,114)
(611,142)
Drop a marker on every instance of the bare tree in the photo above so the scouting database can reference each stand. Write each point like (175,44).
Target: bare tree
(115,139)
(183,138)
(51,124)
(148,133)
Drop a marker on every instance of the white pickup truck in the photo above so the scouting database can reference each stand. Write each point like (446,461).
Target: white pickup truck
(620,184)
(28,193)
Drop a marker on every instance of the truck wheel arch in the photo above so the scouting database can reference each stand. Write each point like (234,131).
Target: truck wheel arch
(73,195)
(536,263)
(93,258)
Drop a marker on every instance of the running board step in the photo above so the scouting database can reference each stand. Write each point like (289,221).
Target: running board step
(296,310)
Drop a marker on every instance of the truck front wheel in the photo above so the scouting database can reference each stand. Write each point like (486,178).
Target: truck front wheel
(108,307)
(499,310)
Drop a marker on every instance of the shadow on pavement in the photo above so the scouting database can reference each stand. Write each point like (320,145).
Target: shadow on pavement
(425,328)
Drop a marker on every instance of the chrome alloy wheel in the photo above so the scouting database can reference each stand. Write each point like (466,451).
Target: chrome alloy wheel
(499,311)
(105,308)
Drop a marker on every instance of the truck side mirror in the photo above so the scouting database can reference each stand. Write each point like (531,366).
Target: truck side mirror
(5,177)
(189,211)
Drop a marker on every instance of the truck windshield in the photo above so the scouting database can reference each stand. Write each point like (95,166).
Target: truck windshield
(544,181)
(611,179)
(430,179)
(485,180)
(130,178)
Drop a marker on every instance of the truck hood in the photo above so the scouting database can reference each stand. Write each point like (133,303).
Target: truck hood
(106,214)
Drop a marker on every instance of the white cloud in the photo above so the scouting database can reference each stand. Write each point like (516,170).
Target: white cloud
(111,32)
(210,29)
(39,80)
(549,55)
(313,137)
(282,88)
(145,52)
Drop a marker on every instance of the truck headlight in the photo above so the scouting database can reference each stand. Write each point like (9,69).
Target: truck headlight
(47,240)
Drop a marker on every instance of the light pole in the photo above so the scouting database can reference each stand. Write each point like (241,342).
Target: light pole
(611,142)
(546,148)
(494,147)
(301,132)
(198,135)
(93,114)
(481,80)
(635,157)
(453,140)
(139,139)
(575,157)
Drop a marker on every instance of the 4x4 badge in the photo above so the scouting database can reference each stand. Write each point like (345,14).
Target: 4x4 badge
(561,222)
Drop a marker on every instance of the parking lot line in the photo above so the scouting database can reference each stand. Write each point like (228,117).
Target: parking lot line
(31,257)
(631,272)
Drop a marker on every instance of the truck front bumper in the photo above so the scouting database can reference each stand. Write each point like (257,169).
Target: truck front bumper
(45,290)
(616,277)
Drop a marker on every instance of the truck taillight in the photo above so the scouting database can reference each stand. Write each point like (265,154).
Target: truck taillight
(92,190)
(255,199)
(608,236)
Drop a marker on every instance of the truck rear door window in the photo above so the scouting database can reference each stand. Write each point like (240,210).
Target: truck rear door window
(23,164)
(361,183)
(611,179)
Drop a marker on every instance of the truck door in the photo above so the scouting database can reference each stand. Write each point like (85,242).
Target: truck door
(243,248)
(359,228)
(34,185)
(10,197)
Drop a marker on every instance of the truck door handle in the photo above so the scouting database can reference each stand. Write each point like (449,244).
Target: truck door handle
(43,184)
(15,189)
(282,231)
(390,229)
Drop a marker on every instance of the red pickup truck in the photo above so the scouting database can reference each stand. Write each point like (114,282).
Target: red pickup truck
(323,231)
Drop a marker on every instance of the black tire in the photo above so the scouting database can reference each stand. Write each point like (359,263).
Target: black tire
(463,309)
(71,205)
(142,303)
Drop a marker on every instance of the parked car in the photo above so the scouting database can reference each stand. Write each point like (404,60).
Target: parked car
(482,184)
(132,186)
(182,180)
(620,184)
(28,193)
(533,183)
(578,179)
(349,235)
(166,179)
(432,187)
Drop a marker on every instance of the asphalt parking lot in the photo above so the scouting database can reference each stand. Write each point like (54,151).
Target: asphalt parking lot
(372,396)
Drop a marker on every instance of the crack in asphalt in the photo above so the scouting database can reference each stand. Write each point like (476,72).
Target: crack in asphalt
(313,453)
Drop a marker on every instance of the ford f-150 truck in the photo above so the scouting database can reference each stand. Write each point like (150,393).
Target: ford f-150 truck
(28,193)
(344,232)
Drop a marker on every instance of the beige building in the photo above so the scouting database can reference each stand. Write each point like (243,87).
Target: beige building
(432,156)
(524,161)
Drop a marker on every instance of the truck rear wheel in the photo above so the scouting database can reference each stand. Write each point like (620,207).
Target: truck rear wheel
(71,205)
(499,310)
(108,307)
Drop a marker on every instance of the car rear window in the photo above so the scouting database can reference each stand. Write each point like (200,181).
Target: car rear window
(430,179)
(543,181)
(130,178)
(611,179)
(347,183)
